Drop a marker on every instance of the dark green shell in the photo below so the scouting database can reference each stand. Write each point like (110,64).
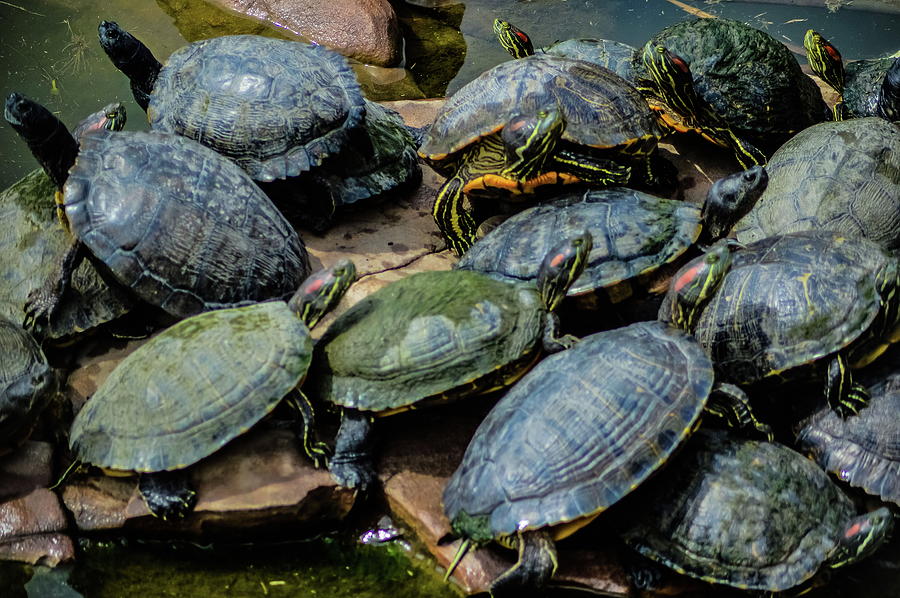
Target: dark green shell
(275,107)
(790,300)
(862,82)
(750,79)
(180,226)
(579,431)
(634,233)
(600,108)
(611,54)
(26,384)
(423,336)
(842,176)
(741,512)
(188,391)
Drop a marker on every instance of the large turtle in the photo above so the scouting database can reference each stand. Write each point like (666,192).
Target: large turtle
(866,87)
(174,222)
(637,234)
(200,383)
(533,122)
(755,515)
(278,108)
(776,308)
(577,433)
(841,176)
(433,336)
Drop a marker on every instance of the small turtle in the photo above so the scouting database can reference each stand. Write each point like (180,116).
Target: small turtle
(636,234)
(27,384)
(778,307)
(841,176)
(750,514)
(866,87)
(433,336)
(178,225)
(200,383)
(581,430)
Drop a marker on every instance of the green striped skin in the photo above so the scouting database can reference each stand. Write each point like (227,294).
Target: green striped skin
(750,514)
(825,61)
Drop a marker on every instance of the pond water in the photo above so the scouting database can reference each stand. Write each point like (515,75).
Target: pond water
(49,51)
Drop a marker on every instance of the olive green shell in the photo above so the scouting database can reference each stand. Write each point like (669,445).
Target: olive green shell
(611,54)
(842,176)
(188,391)
(32,243)
(750,79)
(635,233)
(579,431)
(790,300)
(741,512)
(601,109)
(423,336)
(862,82)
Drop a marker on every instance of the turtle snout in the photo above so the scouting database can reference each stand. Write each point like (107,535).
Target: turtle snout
(16,106)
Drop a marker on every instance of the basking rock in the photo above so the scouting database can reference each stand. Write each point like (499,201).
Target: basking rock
(30,529)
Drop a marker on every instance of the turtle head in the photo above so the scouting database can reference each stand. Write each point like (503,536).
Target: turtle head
(672,77)
(730,198)
(862,536)
(561,267)
(824,60)
(47,137)
(131,57)
(111,117)
(696,282)
(514,40)
(888,105)
(530,139)
(322,291)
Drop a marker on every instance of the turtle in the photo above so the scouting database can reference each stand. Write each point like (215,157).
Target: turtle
(200,383)
(32,242)
(534,122)
(611,54)
(572,437)
(866,87)
(737,85)
(433,336)
(750,514)
(280,109)
(842,176)
(808,304)
(638,235)
(27,384)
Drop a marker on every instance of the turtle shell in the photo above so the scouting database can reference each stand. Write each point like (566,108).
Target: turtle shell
(789,300)
(601,109)
(747,513)
(189,390)
(275,107)
(180,226)
(862,82)
(842,176)
(611,54)
(635,234)
(750,79)
(425,336)
(580,431)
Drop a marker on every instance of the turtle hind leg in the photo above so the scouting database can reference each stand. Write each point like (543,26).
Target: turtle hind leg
(845,396)
(352,465)
(732,405)
(168,494)
(536,565)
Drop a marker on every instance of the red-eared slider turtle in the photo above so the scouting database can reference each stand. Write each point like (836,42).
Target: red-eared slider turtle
(200,383)
(577,433)
(534,122)
(750,514)
(635,233)
(841,176)
(867,87)
(434,336)
(776,307)
(611,54)
(280,109)
(26,384)
(180,226)
(739,86)
(32,242)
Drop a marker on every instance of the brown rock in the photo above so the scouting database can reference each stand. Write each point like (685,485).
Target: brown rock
(38,549)
(27,468)
(29,529)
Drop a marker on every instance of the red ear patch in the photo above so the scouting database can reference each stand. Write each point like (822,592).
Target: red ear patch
(679,63)
(557,259)
(833,52)
(688,277)
(315,285)
(853,530)
(521,36)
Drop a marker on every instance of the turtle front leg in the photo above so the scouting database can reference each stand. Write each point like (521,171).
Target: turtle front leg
(352,464)
(845,396)
(316,450)
(554,342)
(745,153)
(43,301)
(168,494)
(732,404)
(456,225)
(589,169)
(536,565)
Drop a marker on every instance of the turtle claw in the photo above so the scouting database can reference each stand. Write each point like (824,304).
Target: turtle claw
(352,474)
(320,453)
(167,494)
(39,308)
